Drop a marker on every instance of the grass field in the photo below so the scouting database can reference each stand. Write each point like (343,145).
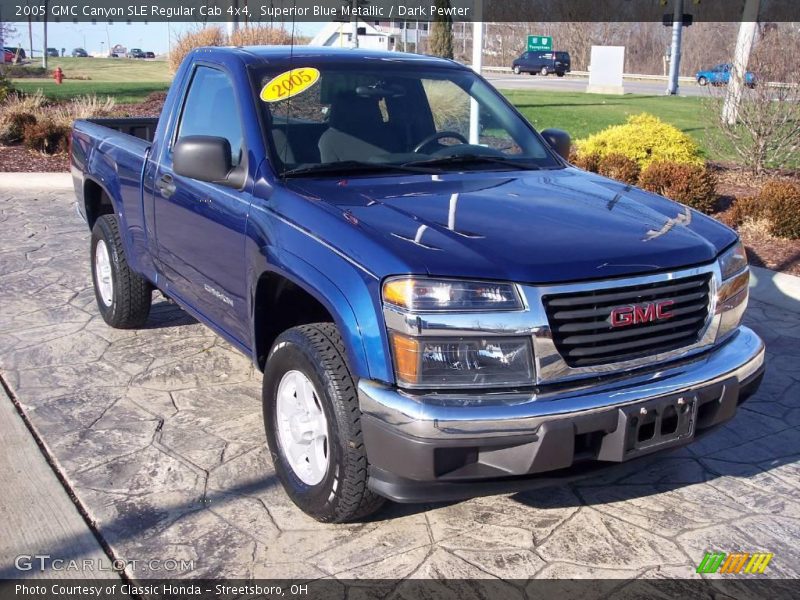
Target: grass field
(128,80)
(583,114)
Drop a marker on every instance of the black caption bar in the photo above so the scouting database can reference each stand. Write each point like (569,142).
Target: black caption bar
(327,589)
(286,11)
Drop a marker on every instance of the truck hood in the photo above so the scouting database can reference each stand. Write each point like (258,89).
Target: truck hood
(533,226)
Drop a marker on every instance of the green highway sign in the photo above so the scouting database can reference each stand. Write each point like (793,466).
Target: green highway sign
(540,42)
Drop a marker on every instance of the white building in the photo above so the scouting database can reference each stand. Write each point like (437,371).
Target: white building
(384,35)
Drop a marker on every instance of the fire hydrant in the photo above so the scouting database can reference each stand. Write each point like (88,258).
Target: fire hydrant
(58,75)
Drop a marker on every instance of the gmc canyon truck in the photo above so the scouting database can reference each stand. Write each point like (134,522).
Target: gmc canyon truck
(441,305)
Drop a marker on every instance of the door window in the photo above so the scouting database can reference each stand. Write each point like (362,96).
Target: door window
(211,109)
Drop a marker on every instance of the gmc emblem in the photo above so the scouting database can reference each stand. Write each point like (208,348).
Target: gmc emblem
(635,314)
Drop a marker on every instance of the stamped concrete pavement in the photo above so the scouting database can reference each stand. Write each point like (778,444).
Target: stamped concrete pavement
(158,432)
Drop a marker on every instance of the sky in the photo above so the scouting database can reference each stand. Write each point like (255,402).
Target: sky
(150,37)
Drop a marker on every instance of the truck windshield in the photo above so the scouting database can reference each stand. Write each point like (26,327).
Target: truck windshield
(331,120)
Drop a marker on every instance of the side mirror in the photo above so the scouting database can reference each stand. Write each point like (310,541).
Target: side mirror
(206,158)
(559,141)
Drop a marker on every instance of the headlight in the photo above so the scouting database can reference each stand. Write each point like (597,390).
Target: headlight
(733,261)
(437,295)
(733,293)
(462,361)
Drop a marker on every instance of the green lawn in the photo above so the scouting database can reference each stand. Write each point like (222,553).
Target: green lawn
(583,114)
(123,92)
(128,80)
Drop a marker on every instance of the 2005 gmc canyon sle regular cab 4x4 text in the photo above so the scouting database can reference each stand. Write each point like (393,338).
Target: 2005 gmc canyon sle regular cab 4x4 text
(442,306)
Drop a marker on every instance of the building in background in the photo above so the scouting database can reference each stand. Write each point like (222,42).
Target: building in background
(401,36)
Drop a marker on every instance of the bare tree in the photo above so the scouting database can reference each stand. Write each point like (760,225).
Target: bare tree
(767,131)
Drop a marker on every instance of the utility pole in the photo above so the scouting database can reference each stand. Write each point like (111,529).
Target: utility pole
(233,24)
(44,42)
(675,59)
(477,63)
(355,24)
(744,45)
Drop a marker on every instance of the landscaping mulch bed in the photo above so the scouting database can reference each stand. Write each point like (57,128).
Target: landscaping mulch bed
(18,159)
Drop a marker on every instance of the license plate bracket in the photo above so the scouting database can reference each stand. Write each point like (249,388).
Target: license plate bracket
(651,425)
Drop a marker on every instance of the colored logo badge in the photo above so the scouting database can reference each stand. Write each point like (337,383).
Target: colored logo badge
(289,84)
(736,562)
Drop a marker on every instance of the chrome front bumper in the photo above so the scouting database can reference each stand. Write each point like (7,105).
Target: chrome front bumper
(483,414)
(434,437)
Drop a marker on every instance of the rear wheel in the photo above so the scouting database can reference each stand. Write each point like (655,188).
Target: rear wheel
(560,73)
(123,296)
(313,425)
(702,81)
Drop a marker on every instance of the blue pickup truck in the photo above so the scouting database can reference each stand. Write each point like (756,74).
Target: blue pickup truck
(441,305)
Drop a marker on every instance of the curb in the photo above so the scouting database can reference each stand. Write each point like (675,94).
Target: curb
(779,289)
(36,181)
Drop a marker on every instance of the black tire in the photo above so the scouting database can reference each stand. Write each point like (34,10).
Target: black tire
(702,81)
(317,351)
(560,73)
(132,294)
(544,72)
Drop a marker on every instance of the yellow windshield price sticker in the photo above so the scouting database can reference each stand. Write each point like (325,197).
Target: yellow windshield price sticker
(289,84)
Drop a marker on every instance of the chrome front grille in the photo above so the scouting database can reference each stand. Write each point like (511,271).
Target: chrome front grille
(582,331)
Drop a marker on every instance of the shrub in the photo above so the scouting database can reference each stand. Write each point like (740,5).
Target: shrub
(260,35)
(781,201)
(46,136)
(588,162)
(692,185)
(645,139)
(82,107)
(189,40)
(619,167)
(749,208)
(12,126)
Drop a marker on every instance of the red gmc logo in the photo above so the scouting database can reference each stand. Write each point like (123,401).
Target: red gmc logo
(634,314)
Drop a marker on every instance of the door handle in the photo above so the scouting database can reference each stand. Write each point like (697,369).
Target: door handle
(165,185)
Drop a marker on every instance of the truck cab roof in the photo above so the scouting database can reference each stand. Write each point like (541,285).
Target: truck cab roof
(285,55)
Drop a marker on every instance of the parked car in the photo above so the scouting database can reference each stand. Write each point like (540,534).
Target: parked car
(52,52)
(721,75)
(135,53)
(430,315)
(79,53)
(543,63)
(149,54)
(8,56)
(17,51)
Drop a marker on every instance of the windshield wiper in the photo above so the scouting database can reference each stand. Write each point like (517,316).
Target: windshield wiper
(348,167)
(472,159)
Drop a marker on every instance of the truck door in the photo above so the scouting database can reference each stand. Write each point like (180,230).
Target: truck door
(200,226)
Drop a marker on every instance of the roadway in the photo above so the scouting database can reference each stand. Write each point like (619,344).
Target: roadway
(573,83)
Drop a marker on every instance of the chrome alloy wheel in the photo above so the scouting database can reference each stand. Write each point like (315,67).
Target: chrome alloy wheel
(302,427)
(102,271)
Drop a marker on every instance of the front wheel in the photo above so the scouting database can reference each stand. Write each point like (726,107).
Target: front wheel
(313,425)
(544,71)
(516,70)
(123,296)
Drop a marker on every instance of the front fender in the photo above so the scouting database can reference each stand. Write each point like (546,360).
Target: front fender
(349,293)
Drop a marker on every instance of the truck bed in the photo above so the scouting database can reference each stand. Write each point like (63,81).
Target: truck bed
(143,128)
